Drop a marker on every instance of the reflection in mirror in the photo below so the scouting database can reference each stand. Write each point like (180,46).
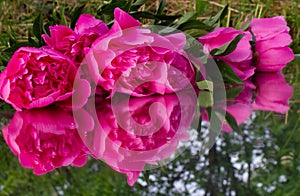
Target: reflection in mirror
(45,139)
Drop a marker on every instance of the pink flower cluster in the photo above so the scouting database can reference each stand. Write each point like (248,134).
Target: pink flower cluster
(125,58)
(258,64)
(41,83)
(149,134)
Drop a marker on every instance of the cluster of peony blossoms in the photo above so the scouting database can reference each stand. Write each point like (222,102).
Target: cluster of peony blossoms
(130,60)
(39,84)
(258,60)
(124,55)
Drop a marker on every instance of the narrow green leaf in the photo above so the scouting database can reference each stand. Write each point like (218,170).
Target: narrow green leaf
(218,17)
(32,42)
(233,92)
(227,48)
(63,20)
(196,32)
(139,3)
(228,74)
(75,15)
(46,27)
(148,15)
(194,24)
(108,9)
(127,6)
(246,25)
(232,122)
(38,28)
(186,17)
(161,7)
(12,40)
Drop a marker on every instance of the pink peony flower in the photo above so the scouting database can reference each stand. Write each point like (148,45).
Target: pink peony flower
(36,78)
(273,93)
(130,134)
(45,139)
(135,61)
(240,59)
(72,43)
(272,40)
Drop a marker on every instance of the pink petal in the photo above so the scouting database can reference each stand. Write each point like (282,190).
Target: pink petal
(80,160)
(281,40)
(275,59)
(177,39)
(132,177)
(89,24)
(124,19)
(265,28)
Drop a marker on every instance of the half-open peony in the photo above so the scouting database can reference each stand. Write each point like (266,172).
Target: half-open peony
(240,59)
(36,78)
(45,139)
(272,40)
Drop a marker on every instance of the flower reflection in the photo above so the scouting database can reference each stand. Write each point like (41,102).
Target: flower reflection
(45,139)
(131,134)
(269,91)
(264,91)
(127,134)
(273,92)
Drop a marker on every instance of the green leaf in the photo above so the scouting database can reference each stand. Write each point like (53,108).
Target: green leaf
(46,27)
(232,122)
(206,85)
(218,17)
(63,20)
(227,48)
(161,7)
(186,17)
(233,92)
(12,40)
(32,42)
(137,4)
(246,25)
(229,76)
(38,28)
(205,99)
(148,15)
(108,9)
(196,32)
(75,15)
(194,24)
(127,6)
